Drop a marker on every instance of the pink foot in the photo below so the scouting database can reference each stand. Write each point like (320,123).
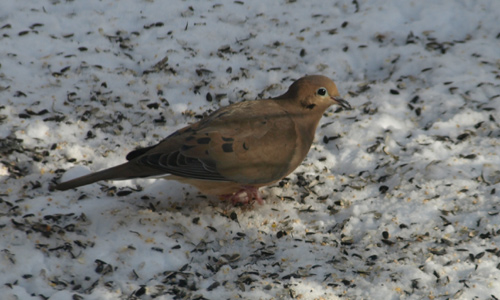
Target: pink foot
(244,196)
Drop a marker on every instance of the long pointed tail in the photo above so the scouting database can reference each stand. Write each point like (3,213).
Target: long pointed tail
(119,172)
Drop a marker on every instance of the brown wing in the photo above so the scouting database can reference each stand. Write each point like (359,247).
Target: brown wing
(249,142)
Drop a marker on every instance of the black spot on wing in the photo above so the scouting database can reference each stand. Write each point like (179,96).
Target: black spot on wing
(227,139)
(203,141)
(227,147)
(245,146)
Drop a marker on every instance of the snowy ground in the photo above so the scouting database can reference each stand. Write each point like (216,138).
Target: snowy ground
(397,199)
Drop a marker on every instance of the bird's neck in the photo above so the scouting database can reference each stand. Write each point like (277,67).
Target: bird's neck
(306,126)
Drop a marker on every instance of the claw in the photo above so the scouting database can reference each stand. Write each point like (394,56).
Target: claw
(243,196)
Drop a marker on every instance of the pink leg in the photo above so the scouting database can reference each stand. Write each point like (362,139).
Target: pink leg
(245,196)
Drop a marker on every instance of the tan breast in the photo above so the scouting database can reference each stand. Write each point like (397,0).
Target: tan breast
(211,187)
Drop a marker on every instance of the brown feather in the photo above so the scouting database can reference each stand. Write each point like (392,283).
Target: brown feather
(244,145)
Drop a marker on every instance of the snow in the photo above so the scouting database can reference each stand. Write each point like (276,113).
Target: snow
(397,199)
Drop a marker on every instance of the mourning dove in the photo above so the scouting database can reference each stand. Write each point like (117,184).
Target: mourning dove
(238,148)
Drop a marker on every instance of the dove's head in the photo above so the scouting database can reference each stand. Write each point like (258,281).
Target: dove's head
(314,93)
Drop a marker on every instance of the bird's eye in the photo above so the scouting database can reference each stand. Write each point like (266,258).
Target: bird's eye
(322,92)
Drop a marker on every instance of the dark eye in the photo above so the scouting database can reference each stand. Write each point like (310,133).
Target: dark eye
(321,91)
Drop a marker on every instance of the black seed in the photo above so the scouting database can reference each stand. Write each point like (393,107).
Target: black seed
(161,119)
(40,113)
(383,178)
(204,140)
(394,92)
(383,189)
(90,135)
(439,251)
(213,286)
(228,147)
(24,116)
(372,148)
(463,136)
(123,193)
(153,105)
(485,235)
(388,242)
(141,291)
(469,156)
(346,282)
(219,97)
(164,101)
(201,72)
(326,139)
(19,94)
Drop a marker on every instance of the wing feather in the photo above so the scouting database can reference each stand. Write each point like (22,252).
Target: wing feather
(231,145)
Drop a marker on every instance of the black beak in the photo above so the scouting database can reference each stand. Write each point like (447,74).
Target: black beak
(342,102)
